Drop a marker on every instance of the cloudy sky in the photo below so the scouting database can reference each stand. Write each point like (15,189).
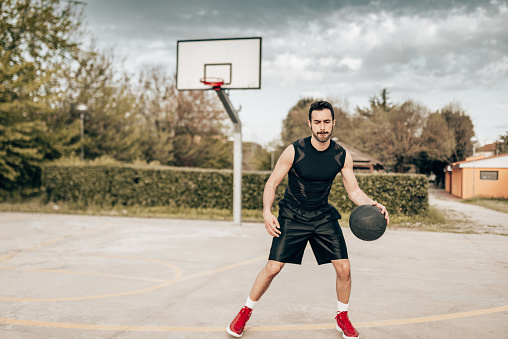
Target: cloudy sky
(434,52)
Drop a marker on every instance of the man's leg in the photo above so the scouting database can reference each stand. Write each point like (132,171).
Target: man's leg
(343,283)
(264,279)
(261,284)
(343,270)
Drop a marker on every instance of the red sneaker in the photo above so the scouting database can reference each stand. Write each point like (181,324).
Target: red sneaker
(345,326)
(237,325)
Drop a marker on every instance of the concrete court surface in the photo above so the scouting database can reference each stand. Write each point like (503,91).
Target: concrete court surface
(68,276)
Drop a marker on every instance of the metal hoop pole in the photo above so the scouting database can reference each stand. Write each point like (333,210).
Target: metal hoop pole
(237,154)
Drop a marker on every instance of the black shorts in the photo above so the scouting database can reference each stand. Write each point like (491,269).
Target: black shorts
(325,236)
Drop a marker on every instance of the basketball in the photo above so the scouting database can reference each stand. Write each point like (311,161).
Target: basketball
(367,222)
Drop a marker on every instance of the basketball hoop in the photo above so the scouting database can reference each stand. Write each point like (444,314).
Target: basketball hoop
(210,64)
(216,83)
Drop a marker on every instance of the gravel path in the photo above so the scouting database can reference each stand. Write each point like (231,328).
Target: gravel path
(476,219)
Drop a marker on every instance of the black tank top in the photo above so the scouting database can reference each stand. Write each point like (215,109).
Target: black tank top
(311,177)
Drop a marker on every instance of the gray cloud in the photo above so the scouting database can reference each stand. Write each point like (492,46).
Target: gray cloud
(200,19)
(333,47)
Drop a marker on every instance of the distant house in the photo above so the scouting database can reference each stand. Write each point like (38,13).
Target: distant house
(362,162)
(485,177)
(487,150)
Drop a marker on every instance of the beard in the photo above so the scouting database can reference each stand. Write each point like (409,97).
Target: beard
(322,137)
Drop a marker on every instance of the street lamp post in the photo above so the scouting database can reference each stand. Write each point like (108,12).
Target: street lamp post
(474,141)
(81,108)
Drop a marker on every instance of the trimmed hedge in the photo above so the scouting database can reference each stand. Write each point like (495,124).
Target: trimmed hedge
(198,188)
(400,193)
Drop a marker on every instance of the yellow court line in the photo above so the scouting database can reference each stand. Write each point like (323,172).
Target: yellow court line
(82,273)
(177,278)
(100,296)
(50,242)
(93,273)
(253,329)
(437,317)
(8,256)
(483,242)
(47,243)
(197,275)
(477,241)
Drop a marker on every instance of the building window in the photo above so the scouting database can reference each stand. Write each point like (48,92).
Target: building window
(488,175)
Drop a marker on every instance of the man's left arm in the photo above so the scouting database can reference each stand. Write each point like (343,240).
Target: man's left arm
(354,191)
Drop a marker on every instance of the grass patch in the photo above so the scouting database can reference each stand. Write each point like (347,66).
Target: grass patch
(496,204)
(36,205)
(432,220)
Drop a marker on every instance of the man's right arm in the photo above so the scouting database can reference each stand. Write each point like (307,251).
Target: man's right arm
(279,172)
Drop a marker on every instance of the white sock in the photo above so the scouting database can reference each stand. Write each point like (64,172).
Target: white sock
(341,307)
(250,304)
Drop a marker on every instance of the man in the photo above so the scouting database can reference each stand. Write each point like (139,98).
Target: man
(305,214)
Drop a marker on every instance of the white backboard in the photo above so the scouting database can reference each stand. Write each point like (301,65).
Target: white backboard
(237,61)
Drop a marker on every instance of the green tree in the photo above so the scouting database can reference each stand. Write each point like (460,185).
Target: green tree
(502,144)
(108,94)
(381,101)
(446,138)
(20,154)
(393,135)
(156,105)
(438,139)
(200,118)
(36,40)
(405,134)
(255,157)
(213,152)
(438,145)
(462,127)
(295,125)
(361,123)
(185,128)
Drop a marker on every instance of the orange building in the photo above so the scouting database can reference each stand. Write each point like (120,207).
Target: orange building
(485,177)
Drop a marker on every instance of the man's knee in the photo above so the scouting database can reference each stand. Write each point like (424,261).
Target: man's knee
(273,268)
(343,268)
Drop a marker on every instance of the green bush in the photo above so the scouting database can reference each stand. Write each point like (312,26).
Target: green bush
(131,185)
(400,193)
(19,194)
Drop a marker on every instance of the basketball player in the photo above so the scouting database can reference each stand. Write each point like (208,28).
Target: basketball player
(306,216)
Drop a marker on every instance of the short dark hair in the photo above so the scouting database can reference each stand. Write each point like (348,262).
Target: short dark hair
(319,106)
